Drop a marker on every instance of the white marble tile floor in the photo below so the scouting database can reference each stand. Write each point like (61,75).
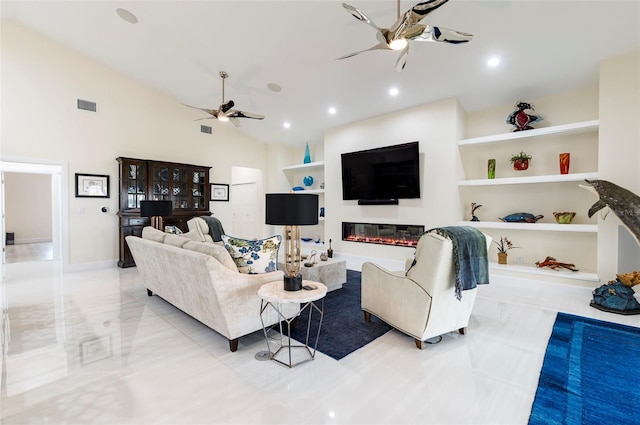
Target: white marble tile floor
(91,348)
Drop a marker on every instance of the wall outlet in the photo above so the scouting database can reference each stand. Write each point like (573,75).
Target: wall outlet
(519,260)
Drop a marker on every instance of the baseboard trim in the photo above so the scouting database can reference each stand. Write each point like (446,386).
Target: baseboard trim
(94,265)
(31,240)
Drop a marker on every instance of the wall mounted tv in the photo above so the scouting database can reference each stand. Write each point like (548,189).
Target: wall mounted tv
(381,175)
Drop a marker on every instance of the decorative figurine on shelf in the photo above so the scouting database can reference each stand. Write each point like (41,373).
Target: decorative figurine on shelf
(307,155)
(491,168)
(330,250)
(521,217)
(503,245)
(474,207)
(307,181)
(522,120)
(555,265)
(564,217)
(617,296)
(520,161)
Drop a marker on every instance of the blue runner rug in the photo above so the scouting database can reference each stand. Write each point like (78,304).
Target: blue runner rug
(590,374)
(343,328)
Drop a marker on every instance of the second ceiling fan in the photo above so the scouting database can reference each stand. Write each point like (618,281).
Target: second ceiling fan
(225,111)
(407,28)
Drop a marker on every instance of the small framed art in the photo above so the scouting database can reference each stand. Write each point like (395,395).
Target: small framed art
(92,186)
(219,192)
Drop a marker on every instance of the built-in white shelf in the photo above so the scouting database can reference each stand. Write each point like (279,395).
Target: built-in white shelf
(309,191)
(307,166)
(543,271)
(552,178)
(548,227)
(565,129)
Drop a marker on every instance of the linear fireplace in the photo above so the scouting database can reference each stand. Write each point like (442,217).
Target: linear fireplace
(384,234)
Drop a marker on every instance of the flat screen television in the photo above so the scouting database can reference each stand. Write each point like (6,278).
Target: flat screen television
(386,173)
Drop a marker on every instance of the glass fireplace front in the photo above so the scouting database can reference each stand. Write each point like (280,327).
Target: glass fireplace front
(383,234)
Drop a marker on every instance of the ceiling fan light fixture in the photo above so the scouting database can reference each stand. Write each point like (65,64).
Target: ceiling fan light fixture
(223,118)
(398,44)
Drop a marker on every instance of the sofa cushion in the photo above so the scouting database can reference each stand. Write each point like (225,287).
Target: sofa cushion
(253,256)
(153,234)
(198,230)
(175,240)
(218,252)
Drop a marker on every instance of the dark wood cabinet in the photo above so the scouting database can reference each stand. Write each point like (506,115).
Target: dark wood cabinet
(186,185)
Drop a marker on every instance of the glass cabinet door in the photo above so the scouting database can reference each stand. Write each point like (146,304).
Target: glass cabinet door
(160,183)
(179,189)
(134,176)
(198,189)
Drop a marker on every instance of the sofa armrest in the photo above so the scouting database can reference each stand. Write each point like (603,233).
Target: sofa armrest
(395,298)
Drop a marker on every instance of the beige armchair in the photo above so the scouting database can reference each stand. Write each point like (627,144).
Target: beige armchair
(420,301)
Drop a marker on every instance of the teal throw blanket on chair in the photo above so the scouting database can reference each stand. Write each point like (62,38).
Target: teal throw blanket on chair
(469,256)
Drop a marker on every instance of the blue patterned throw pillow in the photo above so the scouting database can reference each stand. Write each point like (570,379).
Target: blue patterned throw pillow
(254,256)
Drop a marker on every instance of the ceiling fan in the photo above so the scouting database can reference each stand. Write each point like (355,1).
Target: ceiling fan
(407,28)
(225,111)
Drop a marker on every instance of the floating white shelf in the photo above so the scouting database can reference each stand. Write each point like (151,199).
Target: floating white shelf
(307,166)
(565,129)
(548,227)
(552,178)
(565,274)
(309,191)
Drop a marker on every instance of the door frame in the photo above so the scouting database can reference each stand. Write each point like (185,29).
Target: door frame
(58,170)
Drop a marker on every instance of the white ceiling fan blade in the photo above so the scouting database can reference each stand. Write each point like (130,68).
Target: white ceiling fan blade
(446,35)
(380,46)
(402,59)
(425,7)
(235,121)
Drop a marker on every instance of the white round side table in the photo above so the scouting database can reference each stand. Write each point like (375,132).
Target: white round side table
(274,296)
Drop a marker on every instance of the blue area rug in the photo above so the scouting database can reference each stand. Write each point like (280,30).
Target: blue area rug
(590,374)
(343,328)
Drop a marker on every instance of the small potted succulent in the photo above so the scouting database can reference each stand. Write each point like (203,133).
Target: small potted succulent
(520,161)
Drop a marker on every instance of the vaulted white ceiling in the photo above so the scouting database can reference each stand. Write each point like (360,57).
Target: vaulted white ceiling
(179,47)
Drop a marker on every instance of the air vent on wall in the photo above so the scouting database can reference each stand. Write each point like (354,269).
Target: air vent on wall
(87,105)
(205,129)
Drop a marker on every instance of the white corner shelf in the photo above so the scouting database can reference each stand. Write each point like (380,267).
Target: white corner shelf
(307,166)
(534,270)
(548,227)
(552,178)
(565,129)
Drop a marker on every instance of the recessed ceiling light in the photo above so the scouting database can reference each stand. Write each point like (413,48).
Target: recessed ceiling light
(287,124)
(332,110)
(274,87)
(127,16)
(493,62)
(393,91)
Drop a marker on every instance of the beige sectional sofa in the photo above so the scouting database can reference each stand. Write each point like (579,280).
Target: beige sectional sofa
(202,280)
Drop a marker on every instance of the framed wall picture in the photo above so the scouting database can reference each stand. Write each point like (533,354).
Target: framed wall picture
(219,192)
(92,186)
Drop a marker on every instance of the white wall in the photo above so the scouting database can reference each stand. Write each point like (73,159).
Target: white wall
(619,148)
(28,206)
(41,81)
(436,127)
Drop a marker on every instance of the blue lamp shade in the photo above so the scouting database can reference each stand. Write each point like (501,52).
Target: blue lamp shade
(291,209)
(156,208)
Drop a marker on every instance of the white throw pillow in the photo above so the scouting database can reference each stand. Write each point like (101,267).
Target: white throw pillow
(254,256)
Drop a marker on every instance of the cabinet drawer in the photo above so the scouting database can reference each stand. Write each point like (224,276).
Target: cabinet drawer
(138,221)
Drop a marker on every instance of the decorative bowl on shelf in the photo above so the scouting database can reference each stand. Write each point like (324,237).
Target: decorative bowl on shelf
(297,188)
(564,217)
(306,239)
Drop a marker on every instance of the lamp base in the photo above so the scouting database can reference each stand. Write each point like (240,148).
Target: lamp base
(293,283)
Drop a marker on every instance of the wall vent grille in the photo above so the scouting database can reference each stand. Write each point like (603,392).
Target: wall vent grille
(87,105)
(206,129)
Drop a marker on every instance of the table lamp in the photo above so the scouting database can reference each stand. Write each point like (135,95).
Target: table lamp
(156,210)
(291,210)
